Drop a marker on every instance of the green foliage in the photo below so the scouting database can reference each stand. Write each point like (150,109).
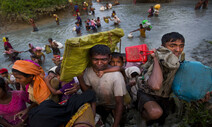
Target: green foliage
(210,42)
(79,2)
(27,7)
(196,115)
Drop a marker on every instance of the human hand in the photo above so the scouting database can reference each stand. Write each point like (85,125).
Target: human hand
(48,78)
(206,98)
(21,114)
(72,90)
(153,54)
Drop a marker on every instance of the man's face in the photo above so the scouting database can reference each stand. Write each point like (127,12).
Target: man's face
(176,47)
(100,62)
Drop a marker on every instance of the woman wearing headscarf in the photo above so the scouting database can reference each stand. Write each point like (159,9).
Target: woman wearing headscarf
(30,75)
(47,113)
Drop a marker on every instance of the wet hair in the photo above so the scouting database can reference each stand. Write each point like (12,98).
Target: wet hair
(2,84)
(57,70)
(117,55)
(21,73)
(173,36)
(50,39)
(99,50)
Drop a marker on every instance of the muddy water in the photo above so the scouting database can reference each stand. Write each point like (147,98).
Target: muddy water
(178,16)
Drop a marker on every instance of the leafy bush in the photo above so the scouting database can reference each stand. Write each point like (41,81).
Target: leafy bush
(196,115)
(27,7)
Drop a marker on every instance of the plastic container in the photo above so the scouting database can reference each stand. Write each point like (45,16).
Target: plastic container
(192,81)
(137,53)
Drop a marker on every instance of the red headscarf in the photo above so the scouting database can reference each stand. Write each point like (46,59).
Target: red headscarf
(3,70)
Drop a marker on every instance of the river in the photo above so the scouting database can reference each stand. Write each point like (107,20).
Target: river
(179,16)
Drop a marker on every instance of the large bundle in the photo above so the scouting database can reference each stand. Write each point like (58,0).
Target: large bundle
(76,58)
(192,81)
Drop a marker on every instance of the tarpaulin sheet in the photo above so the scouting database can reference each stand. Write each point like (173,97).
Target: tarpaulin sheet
(76,58)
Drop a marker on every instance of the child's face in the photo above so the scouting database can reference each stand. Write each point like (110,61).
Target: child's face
(4,74)
(116,62)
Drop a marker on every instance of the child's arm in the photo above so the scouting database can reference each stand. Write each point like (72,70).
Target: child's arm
(110,69)
(53,91)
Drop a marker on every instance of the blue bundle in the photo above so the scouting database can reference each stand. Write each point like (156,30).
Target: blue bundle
(192,81)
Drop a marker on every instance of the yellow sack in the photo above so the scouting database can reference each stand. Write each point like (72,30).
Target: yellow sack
(157,6)
(48,49)
(76,53)
(106,20)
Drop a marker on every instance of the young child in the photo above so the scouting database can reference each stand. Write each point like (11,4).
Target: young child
(63,86)
(117,59)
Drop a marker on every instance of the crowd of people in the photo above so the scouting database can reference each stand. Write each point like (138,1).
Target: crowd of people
(111,85)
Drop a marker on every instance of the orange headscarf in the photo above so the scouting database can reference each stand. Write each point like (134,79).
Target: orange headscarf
(40,90)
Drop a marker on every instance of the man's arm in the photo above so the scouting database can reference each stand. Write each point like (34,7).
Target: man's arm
(118,110)
(83,86)
(135,30)
(156,78)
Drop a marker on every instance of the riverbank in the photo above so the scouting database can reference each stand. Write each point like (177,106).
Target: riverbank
(40,21)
